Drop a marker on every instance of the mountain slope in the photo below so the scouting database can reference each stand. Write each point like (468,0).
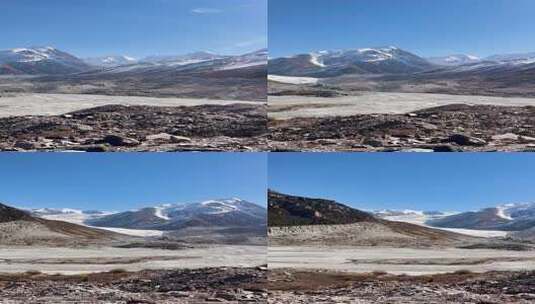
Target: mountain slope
(40,61)
(383,60)
(509,217)
(18,227)
(230,77)
(110,61)
(214,213)
(306,221)
(454,60)
(287,210)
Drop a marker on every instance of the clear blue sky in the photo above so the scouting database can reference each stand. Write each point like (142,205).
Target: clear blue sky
(117,181)
(446,182)
(426,27)
(135,27)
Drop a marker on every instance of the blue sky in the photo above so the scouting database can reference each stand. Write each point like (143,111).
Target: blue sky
(135,27)
(123,181)
(445,182)
(426,27)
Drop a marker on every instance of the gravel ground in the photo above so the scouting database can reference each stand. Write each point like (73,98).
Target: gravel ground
(303,287)
(286,107)
(406,261)
(86,260)
(179,286)
(57,104)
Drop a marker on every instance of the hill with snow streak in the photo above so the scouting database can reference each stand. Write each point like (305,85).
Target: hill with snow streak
(322,64)
(507,217)
(40,61)
(212,213)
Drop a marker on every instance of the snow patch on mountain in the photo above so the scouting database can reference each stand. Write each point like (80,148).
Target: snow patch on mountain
(315,60)
(220,207)
(293,80)
(421,217)
(374,55)
(159,212)
(501,212)
(455,60)
(134,232)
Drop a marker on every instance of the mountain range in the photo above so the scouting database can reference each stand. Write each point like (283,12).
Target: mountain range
(382,60)
(213,213)
(223,220)
(508,217)
(324,64)
(51,61)
(233,212)
(195,75)
(391,69)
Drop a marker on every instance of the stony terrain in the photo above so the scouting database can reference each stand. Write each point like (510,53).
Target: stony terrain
(446,128)
(400,260)
(294,287)
(237,127)
(207,285)
(132,256)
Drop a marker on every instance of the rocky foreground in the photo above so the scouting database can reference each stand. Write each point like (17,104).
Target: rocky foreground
(237,127)
(294,287)
(448,128)
(210,285)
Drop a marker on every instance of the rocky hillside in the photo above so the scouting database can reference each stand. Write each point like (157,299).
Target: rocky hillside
(306,221)
(18,227)
(288,210)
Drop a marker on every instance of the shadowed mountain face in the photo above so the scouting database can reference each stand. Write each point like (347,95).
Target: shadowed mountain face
(214,213)
(9,214)
(287,210)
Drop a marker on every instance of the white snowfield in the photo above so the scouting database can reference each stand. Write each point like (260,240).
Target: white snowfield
(286,107)
(293,80)
(478,233)
(57,104)
(399,260)
(87,260)
(79,218)
(315,60)
(420,219)
(158,211)
(133,232)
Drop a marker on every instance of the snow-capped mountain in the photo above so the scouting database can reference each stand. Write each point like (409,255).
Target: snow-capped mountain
(507,217)
(224,212)
(454,60)
(410,216)
(110,61)
(252,59)
(195,63)
(177,60)
(39,60)
(68,215)
(519,57)
(381,60)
